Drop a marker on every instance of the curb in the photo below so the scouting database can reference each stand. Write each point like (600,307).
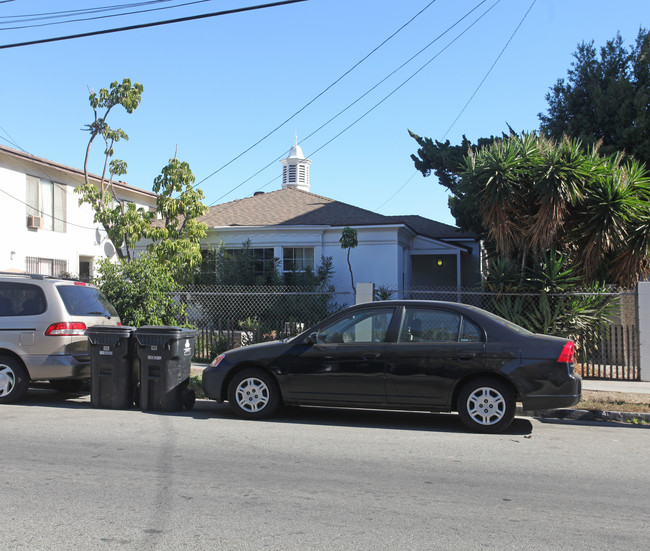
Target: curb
(586,415)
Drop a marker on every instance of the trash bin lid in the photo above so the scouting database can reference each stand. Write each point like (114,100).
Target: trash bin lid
(108,334)
(160,335)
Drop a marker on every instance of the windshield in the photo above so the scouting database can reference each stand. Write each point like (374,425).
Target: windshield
(85,301)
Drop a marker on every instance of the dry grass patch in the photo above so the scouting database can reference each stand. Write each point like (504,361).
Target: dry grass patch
(597,400)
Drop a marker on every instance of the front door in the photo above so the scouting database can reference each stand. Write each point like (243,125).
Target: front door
(347,362)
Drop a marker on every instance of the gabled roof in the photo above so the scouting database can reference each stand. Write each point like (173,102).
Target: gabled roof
(22,156)
(295,207)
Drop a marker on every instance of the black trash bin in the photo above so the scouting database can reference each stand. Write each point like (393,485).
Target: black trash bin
(165,355)
(113,366)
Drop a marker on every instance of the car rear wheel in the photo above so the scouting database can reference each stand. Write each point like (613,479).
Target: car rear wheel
(14,380)
(253,394)
(486,405)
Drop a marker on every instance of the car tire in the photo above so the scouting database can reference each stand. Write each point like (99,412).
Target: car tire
(253,394)
(14,380)
(486,405)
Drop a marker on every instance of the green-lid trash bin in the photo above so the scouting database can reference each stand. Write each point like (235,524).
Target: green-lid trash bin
(113,366)
(165,354)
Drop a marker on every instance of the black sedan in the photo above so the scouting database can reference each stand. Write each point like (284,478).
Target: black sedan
(407,355)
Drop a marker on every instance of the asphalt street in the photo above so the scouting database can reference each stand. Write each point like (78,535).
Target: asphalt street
(74,477)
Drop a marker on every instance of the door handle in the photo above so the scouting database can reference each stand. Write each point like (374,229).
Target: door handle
(468,356)
(374,356)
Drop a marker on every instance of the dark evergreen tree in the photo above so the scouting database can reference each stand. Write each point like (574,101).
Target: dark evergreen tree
(605,98)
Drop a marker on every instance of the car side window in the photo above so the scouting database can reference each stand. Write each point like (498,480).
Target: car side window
(470,332)
(429,325)
(358,327)
(21,299)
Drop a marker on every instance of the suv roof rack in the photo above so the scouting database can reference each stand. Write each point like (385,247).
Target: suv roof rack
(37,276)
(24,275)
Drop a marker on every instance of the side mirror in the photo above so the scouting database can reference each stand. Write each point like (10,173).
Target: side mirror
(312,338)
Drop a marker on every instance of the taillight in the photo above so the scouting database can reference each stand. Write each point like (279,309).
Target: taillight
(66,329)
(568,354)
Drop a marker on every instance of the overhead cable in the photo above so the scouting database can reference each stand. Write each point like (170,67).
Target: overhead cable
(101,16)
(320,94)
(148,25)
(385,97)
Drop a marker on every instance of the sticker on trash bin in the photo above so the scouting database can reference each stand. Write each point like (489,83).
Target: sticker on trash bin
(154,357)
(106,352)
(188,348)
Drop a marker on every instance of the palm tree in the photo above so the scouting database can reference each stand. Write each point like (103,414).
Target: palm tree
(536,195)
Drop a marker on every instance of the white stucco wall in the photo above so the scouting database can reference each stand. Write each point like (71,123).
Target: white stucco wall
(82,238)
(382,256)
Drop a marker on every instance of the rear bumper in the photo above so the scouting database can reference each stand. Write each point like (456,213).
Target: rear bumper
(566,395)
(42,368)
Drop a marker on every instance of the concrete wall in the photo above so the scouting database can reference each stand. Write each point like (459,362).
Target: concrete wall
(644,329)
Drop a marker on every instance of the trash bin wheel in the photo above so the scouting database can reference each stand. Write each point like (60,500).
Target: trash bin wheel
(190,399)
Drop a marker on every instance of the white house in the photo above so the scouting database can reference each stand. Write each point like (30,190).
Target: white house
(43,228)
(299,227)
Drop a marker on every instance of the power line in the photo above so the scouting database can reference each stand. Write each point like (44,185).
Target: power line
(448,29)
(102,16)
(413,75)
(54,14)
(318,95)
(357,100)
(148,25)
(385,97)
(471,97)
(490,69)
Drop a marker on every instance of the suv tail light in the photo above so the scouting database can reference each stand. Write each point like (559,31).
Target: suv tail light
(568,354)
(66,329)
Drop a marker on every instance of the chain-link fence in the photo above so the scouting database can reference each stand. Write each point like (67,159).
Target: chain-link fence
(230,316)
(602,324)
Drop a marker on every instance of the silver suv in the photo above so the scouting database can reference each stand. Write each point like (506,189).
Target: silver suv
(42,331)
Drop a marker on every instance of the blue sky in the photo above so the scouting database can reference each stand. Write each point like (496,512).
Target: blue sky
(214,87)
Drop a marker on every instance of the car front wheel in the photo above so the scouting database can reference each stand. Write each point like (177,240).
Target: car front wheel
(253,394)
(14,380)
(486,405)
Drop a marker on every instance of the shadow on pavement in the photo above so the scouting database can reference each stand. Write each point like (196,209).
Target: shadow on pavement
(304,415)
(362,418)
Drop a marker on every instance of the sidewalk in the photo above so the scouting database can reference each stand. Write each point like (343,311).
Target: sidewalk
(638,387)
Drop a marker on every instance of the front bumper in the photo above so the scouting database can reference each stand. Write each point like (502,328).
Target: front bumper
(213,383)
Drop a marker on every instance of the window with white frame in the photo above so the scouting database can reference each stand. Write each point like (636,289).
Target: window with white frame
(46,266)
(297,259)
(46,201)
(263,259)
